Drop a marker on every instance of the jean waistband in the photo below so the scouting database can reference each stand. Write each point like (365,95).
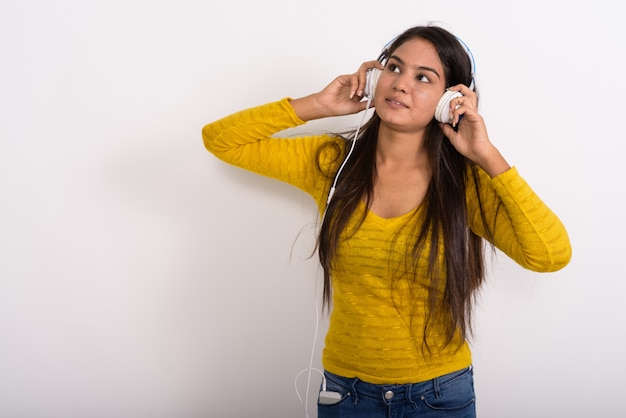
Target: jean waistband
(395,392)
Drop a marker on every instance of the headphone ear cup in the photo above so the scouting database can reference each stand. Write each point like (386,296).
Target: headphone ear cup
(370,83)
(442,112)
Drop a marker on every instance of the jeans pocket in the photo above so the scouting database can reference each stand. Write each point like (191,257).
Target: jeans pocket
(455,394)
(335,393)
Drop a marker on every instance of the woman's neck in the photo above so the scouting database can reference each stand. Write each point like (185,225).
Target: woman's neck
(401,149)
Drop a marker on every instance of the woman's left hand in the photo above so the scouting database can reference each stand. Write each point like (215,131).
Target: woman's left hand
(470,137)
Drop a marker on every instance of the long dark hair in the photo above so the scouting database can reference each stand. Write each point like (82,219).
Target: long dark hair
(443,212)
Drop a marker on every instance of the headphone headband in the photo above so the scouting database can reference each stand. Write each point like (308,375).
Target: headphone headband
(472,61)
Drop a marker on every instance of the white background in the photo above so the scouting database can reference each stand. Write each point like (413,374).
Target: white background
(140,277)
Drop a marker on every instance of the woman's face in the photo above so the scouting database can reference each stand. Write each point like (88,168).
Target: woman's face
(410,86)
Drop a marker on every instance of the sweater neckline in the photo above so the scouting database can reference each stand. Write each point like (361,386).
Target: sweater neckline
(388,221)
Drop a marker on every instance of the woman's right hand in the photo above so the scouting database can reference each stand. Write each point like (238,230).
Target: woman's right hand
(343,96)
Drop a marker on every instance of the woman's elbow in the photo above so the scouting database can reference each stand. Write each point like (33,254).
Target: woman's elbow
(553,259)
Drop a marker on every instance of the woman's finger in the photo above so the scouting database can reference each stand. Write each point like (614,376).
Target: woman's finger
(361,75)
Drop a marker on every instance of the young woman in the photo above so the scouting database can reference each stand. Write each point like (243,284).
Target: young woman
(402,237)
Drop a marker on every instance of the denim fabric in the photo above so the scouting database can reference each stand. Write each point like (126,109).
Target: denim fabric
(448,396)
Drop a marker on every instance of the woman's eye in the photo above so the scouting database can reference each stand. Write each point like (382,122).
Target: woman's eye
(423,78)
(393,68)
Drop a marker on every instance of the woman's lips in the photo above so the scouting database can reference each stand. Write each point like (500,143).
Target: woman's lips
(396,103)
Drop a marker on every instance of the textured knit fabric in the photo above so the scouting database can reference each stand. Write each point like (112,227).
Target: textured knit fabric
(376,330)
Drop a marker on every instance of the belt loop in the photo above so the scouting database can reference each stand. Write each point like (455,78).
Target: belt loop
(408,396)
(436,387)
(354,391)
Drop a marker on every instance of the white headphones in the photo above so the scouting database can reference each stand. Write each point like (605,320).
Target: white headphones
(442,111)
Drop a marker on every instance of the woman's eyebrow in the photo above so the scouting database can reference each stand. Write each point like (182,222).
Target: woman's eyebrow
(417,67)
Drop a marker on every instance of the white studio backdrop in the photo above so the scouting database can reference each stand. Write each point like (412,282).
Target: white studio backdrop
(140,277)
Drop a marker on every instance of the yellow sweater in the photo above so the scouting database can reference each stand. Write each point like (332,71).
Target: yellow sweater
(369,334)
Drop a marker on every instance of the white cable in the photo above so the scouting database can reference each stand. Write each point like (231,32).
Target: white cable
(308,383)
(343,164)
(298,392)
(310,368)
(317,311)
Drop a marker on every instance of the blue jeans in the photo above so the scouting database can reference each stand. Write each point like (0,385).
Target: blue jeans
(447,396)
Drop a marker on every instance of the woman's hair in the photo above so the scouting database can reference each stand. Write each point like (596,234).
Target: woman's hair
(443,212)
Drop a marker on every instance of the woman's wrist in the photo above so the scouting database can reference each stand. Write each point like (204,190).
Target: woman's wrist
(308,108)
(494,163)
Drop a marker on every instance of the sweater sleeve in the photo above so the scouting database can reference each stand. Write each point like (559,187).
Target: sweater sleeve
(522,225)
(245,139)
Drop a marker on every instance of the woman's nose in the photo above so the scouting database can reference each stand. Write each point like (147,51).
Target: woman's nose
(400,84)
